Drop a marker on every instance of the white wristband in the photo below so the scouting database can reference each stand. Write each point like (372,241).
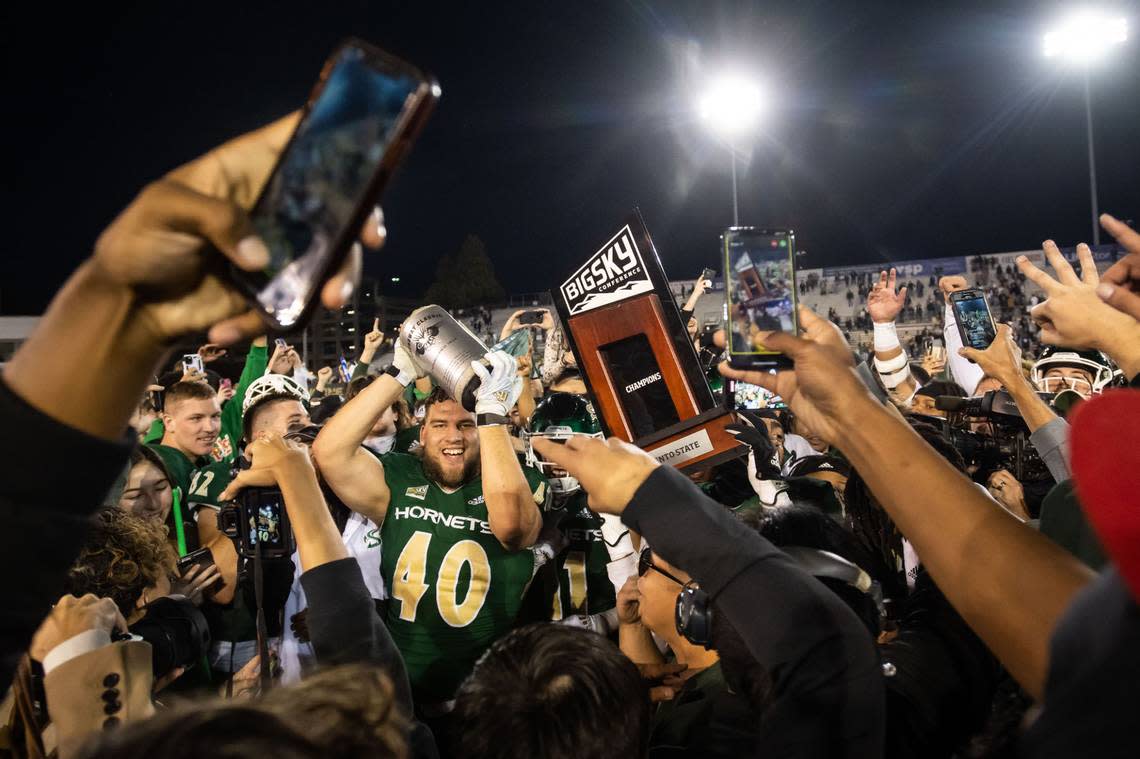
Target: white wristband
(886,337)
(891,381)
(888,365)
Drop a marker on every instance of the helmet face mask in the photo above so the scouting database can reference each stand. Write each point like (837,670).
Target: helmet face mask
(560,484)
(558,418)
(1097,371)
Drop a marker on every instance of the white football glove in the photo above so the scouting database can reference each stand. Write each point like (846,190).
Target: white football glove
(500,387)
(410,371)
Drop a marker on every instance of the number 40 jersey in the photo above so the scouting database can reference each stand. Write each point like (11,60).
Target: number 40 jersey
(454,589)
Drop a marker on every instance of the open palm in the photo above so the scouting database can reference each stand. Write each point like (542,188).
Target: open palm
(883,303)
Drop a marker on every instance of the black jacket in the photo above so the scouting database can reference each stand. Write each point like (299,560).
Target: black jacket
(55,478)
(827,697)
(344,628)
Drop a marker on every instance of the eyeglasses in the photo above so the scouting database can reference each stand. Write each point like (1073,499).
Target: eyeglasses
(645,563)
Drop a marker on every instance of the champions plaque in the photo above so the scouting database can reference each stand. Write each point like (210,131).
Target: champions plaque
(636,357)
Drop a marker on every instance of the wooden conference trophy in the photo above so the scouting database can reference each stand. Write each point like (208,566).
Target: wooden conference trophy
(636,358)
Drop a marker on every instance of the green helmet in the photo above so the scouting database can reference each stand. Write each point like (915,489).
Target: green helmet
(559,417)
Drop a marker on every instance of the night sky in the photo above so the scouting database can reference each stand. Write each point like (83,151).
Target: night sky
(897,130)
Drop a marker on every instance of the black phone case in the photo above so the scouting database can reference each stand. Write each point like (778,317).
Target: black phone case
(974,292)
(409,126)
(759,362)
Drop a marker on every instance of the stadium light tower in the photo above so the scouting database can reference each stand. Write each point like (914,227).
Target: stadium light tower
(1084,39)
(731,108)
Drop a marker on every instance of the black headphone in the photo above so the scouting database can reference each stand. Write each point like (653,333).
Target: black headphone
(693,613)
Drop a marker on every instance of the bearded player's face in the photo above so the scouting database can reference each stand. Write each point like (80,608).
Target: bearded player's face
(450,443)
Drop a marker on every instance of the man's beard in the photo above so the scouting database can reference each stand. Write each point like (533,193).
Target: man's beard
(434,471)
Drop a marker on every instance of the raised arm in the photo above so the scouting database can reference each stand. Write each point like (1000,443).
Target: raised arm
(511,508)
(1010,583)
(891,362)
(964,373)
(286,464)
(342,620)
(372,342)
(255,362)
(355,474)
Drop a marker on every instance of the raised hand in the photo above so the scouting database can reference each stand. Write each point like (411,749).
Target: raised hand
(1002,360)
(1073,315)
(883,303)
(952,284)
(1120,284)
(500,386)
(373,340)
(610,471)
(156,249)
(823,387)
(283,360)
(211,352)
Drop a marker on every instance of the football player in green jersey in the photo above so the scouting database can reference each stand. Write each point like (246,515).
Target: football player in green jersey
(456,524)
(273,405)
(582,587)
(192,419)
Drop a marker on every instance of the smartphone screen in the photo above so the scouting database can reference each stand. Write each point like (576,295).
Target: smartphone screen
(760,291)
(746,396)
(266,528)
(319,195)
(974,321)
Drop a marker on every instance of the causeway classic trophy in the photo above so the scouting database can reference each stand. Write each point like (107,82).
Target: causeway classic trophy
(636,357)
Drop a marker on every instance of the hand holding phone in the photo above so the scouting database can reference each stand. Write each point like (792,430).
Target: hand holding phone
(972,314)
(192,364)
(202,558)
(528,318)
(760,294)
(360,120)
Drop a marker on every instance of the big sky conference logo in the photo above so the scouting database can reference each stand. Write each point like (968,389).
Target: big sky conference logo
(614,273)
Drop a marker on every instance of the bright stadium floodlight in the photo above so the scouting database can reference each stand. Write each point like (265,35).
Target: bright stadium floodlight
(731,106)
(1084,39)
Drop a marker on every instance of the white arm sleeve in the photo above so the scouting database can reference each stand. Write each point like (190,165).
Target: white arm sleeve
(965,373)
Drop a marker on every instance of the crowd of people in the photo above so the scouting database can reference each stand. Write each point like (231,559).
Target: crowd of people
(930,551)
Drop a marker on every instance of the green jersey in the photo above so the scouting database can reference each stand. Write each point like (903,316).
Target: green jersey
(206,486)
(178,466)
(453,588)
(584,585)
(234,621)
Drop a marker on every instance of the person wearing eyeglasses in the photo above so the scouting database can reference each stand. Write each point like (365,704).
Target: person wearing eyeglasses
(704,714)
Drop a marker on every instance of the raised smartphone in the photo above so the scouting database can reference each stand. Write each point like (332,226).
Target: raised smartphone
(972,313)
(760,293)
(361,118)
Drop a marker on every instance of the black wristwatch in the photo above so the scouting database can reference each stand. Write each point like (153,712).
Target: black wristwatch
(490,420)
